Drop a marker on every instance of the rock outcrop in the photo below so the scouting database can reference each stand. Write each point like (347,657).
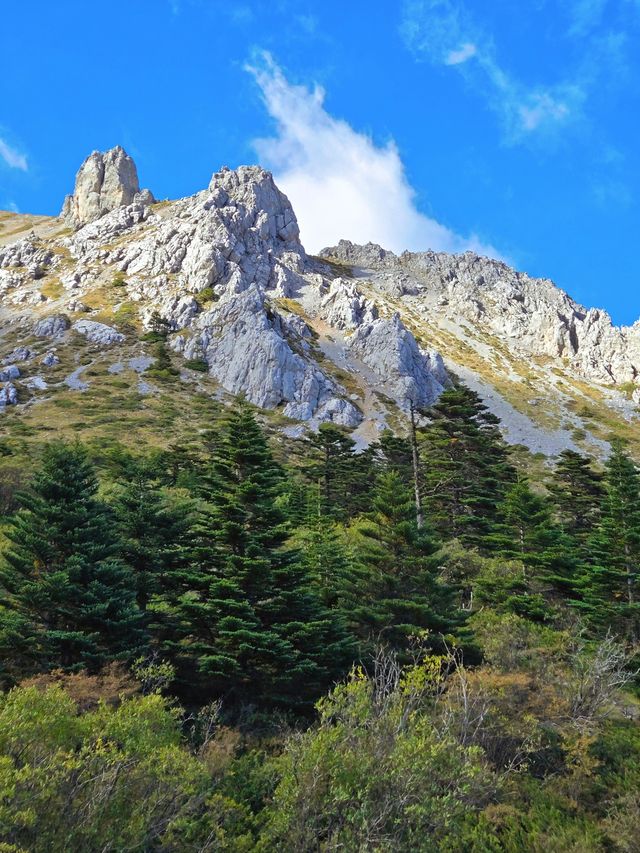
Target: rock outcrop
(8,395)
(344,307)
(246,350)
(531,316)
(105,182)
(51,327)
(407,373)
(98,333)
(240,231)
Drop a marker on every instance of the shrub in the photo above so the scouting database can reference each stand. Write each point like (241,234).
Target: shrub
(118,777)
(158,328)
(162,367)
(206,296)
(198,364)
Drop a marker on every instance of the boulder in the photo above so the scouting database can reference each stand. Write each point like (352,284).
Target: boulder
(98,333)
(50,359)
(18,354)
(8,395)
(9,373)
(53,326)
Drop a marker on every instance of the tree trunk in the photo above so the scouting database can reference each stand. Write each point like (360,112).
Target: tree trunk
(415,459)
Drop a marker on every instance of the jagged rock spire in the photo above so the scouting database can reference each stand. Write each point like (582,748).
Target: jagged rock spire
(105,181)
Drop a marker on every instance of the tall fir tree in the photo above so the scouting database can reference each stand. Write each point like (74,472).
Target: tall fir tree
(525,531)
(609,583)
(342,476)
(403,597)
(393,453)
(466,470)
(248,622)
(577,492)
(154,533)
(334,573)
(63,576)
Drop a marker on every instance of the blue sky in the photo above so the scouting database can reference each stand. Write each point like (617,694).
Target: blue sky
(511,128)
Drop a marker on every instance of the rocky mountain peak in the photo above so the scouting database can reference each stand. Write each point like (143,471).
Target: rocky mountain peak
(254,189)
(105,181)
(355,336)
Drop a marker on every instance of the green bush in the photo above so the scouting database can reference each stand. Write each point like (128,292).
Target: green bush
(115,778)
(162,368)
(376,774)
(198,364)
(206,295)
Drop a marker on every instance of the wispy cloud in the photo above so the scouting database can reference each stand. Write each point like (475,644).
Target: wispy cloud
(341,184)
(443,32)
(461,54)
(12,157)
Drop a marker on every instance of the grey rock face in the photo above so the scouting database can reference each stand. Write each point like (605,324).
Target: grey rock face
(239,232)
(98,333)
(345,307)
(391,351)
(24,261)
(51,327)
(369,256)
(247,355)
(50,359)
(532,316)
(104,182)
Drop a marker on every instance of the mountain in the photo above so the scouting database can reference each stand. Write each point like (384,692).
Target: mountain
(355,336)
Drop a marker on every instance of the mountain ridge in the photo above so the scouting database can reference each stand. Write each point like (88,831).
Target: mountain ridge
(354,336)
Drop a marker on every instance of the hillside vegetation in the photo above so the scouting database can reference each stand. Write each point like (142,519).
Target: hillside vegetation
(241,645)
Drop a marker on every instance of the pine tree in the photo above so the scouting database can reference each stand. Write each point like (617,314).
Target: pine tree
(162,367)
(609,584)
(247,617)
(393,453)
(153,533)
(342,476)
(577,493)
(333,572)
(525,531)
(404,597)
(63,575)
(466,470)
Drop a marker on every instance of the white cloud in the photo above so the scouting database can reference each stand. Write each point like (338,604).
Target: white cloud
(12,157)
(340,183)
(443,32)
(462,54)
(541,108)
